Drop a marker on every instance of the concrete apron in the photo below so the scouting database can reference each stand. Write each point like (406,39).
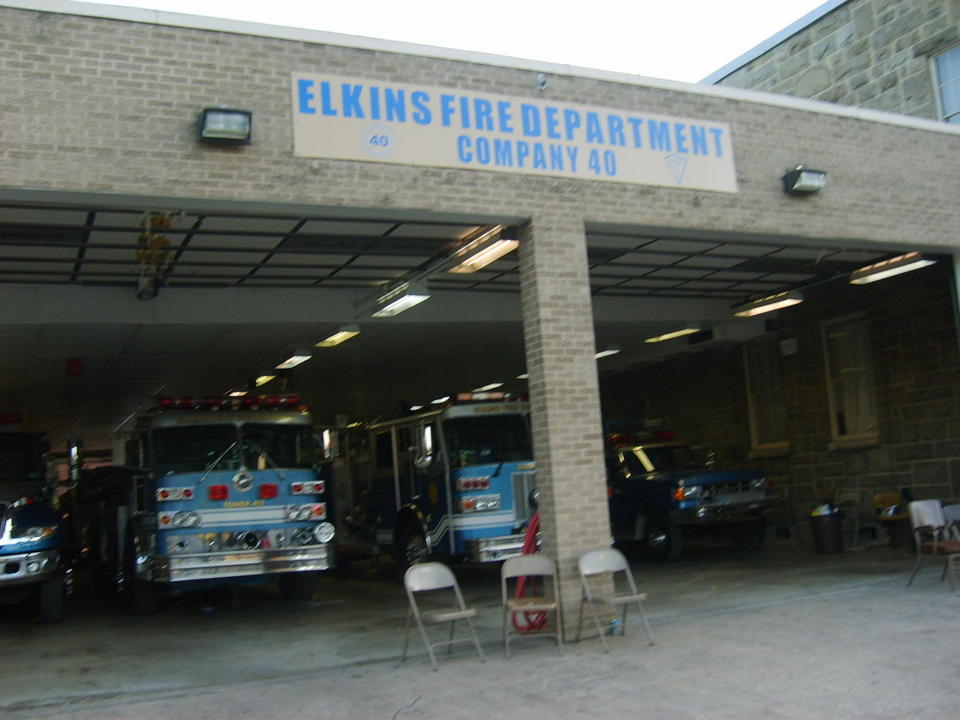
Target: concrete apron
(768,635)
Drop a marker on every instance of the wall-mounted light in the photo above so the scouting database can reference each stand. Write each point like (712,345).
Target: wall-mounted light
(804,181)
(396,300)
(482,250)
(689,329)
(762,305)
(224,125)
(606,353)
(889,268)
(342,335)
(298,358)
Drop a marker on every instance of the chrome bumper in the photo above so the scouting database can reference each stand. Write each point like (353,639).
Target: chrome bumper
(203,566)
(31,567)
(726,513)
(494,548)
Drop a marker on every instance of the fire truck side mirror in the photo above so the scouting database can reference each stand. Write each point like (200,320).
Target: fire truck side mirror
(424,453)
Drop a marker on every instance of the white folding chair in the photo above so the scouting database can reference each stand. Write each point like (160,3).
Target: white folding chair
(435,576)
(933,536)
(530,569)
(609,560)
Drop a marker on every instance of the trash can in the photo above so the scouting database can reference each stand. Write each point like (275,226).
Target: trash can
(827,532)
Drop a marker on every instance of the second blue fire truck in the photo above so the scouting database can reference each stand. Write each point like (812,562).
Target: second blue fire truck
(457,481)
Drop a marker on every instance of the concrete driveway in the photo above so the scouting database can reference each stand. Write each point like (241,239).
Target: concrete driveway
(773,634)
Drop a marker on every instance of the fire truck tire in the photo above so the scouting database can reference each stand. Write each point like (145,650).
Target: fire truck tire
(298,586)
(663,539)
(412,548)
(51,597)
(141,597)
(749,536)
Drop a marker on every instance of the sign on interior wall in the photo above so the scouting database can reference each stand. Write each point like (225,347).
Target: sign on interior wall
(351,119)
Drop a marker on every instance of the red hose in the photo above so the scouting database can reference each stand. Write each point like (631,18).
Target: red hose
(534,621)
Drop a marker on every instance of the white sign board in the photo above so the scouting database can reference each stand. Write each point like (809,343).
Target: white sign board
(351,119)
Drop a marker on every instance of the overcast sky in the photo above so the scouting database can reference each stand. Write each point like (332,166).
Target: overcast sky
(676,39)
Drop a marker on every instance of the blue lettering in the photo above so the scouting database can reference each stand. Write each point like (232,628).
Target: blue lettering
(421,113)
(305,97)
(446,109)
(396,105)
(594,130)
(572,151)
(615,130)
(523,152)
(464,112)
(659,132)
(350,97)
(530,115)
(483,150)
(503,153)
(571,121)
(556,157)
(463,149)
(680,135)
(483,114)
(325,106)
(553,122)
(374,102)
(635,125)
(539,157)
(504,116)
(717,141)
(698,135)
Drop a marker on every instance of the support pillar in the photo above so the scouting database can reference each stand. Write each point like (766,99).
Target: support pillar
(564,397)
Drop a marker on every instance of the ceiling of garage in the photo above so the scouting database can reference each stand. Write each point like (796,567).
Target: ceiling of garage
(100,245)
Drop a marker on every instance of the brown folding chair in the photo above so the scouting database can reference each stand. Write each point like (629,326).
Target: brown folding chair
(933,537)
(531,569)
(428,578)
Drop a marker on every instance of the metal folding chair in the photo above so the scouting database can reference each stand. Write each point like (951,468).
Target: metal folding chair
(609,560)
(535,608)
(933,536)
(429,577)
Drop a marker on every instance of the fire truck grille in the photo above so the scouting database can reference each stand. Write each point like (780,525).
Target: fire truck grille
(523,484)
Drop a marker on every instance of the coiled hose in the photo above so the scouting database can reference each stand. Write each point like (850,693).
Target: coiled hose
(531,621)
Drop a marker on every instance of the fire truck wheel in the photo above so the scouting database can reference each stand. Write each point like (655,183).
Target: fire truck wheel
(412,547)
(141,597)
(749,536)
(663,539)
(298,586)
(51,600)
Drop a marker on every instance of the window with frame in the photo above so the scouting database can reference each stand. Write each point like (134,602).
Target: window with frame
(946,73)
(850,381)
(765,395)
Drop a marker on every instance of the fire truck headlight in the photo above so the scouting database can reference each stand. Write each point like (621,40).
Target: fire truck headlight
(179,519)
(324,532)
(302,536)
(304,512)
(192,520)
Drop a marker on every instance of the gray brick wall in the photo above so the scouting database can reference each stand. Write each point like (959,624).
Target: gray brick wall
(869,53)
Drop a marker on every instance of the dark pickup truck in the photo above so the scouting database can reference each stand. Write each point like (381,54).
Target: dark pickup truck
(662,492)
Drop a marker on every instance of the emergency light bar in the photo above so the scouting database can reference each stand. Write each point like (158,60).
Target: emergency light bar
(215,403)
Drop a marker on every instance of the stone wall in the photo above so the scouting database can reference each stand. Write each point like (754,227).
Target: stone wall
(869,53)
(913,339)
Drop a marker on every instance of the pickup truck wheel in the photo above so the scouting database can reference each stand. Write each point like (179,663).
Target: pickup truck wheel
(749,536)
(663,539)
(51,600)
(298,586)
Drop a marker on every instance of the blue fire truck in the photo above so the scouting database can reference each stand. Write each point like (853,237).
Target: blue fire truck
(32,531)
(215,492)
(457,481)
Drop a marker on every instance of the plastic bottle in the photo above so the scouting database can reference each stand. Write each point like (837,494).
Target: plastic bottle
(616,627)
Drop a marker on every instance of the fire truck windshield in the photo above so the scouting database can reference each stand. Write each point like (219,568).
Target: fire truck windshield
(202,448)
(487,439)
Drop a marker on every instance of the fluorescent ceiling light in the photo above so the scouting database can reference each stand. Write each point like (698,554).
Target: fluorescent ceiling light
(523,376)
(264,379)
(342,335)
(440,400)
(606,353)
(482,250)
(488,386)
(889,268)
(395,301)
(688,330)
(777,301)
(301,356)
(236,393)
(414,408)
